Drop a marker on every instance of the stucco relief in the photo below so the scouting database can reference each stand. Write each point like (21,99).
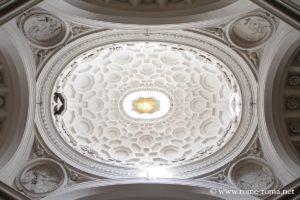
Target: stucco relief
(294,80)
(251,30)
(292,103)
(250,45)
(2,86)
(295,127)
(40,177)
(223,175)
(72,31)
(42,28)
(252,174)
(4,109)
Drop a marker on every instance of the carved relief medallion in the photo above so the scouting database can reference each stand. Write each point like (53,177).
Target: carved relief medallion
(42,28)
(40,177)
(251,30)
(252,174)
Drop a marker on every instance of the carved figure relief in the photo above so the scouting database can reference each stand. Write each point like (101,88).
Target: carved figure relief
(40,177)
(252,174)
(295,127)
(42,28)
(251,30)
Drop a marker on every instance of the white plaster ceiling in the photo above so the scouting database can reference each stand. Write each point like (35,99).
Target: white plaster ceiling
(89,115)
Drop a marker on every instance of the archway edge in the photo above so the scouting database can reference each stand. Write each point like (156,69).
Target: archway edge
(112,189)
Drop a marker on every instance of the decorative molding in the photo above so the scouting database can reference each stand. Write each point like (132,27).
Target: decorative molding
(7,192)
(76,177)
(254,56)
(38,150)
(4,90)
(77,30)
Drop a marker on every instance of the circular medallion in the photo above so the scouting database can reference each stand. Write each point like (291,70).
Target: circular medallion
(42,28)
(252,174)
(41,176)
(251,30)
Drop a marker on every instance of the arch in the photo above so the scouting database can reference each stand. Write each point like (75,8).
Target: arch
(18,66)
(163,189)
(94,15)
(275,147)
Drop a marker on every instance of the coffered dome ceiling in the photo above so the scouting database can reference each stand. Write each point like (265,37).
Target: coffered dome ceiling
(146,103)
(148,93)
(117,102)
